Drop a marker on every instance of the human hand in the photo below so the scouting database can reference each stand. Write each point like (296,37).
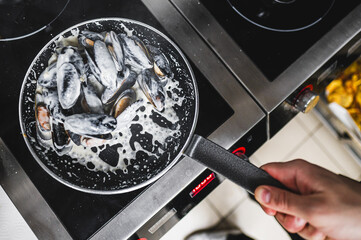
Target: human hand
(322,205)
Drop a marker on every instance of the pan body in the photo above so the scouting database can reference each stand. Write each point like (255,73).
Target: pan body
(149,151)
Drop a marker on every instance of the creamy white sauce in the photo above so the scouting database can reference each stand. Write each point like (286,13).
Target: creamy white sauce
(84,155)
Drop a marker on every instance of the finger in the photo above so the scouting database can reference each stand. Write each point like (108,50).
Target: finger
(291,223)
(297,175)
(288,172)
(282,201)
(268,211)
(311,233)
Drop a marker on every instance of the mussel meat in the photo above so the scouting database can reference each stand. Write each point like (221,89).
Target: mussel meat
(42,118)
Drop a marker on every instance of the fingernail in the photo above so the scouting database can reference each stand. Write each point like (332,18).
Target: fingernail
(300,221)
(265,195)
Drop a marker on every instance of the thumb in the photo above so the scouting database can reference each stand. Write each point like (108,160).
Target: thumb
(281,200)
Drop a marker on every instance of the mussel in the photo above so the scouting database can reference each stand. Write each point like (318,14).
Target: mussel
(96,85)
(86,124)
(152,88)
(91,101)
(42,118)
(86,42)
(71,55)
(48,77)
(115,49)
(123,83)
(105,63)
(125,99)
(92,35)
(93,68)
(68,83)
(51,99)
(161,64)
(61,139)
(136,55)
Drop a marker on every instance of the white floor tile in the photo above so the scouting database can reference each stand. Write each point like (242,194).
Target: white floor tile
(12,224)
(309,121)
(312,152)
(285,141)
(200,217)
(336,151)
(226,197)
(251,219)
(254,160)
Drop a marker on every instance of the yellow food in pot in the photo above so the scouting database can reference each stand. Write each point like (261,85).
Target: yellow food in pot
(346,91)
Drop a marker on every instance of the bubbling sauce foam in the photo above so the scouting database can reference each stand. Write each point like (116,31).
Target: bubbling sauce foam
(122,136)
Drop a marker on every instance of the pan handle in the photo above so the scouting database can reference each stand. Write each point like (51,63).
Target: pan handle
(229,165)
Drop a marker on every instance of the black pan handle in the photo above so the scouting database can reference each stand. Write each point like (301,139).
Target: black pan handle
(229,165)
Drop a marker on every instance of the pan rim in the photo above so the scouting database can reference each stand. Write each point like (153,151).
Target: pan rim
(147,182)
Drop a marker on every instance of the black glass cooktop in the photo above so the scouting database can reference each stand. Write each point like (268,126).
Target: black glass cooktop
(81,213)
(20,18)
(274,51)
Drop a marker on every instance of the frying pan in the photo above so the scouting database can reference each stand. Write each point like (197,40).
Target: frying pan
(152,155)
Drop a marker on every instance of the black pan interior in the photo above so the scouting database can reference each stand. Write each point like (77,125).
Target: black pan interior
(144,168)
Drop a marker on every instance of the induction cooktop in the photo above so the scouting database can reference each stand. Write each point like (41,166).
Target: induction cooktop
(82,215)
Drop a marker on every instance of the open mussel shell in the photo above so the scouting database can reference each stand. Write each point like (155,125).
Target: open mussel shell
(152,88)
(161,64)
(42,117)
(136,54)
(115,49)
(61,139)
(125,99)
(125,82)
(92,35)
(91,102)
(85,42)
